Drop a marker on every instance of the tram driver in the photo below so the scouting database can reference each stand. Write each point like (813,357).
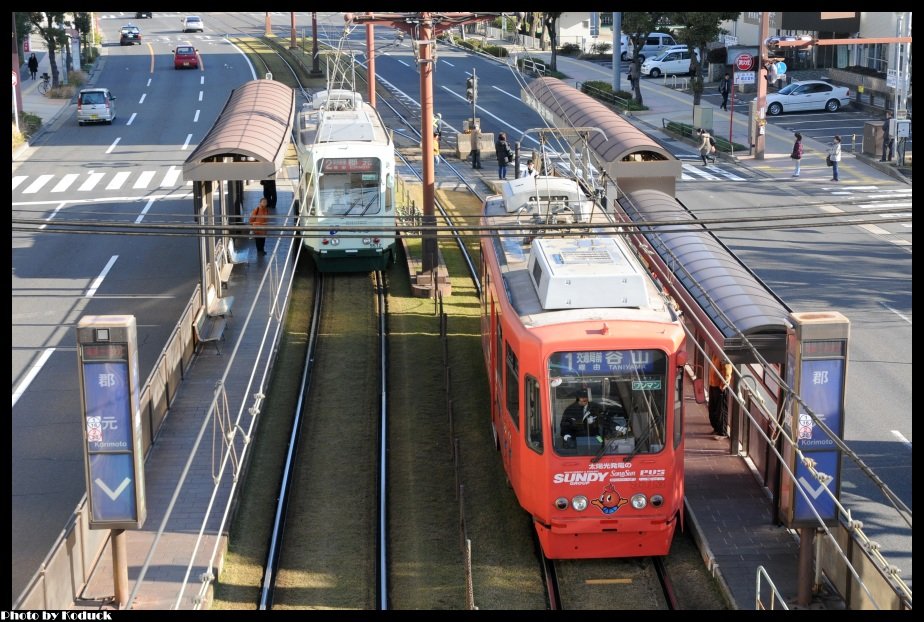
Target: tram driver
(580,418)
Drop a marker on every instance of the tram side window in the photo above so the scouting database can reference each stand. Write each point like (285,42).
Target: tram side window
(513,386)
(533,414)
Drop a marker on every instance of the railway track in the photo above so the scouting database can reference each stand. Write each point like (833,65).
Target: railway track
(328,549)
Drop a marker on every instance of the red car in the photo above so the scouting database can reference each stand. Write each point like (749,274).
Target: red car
(185,56)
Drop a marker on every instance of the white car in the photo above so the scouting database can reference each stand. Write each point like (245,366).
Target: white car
(192,23)
(673,61)
(808,95)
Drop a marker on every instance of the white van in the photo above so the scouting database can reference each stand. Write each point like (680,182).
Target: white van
(672,61)
(653,45)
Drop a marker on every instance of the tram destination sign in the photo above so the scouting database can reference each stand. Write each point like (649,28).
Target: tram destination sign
(349,165)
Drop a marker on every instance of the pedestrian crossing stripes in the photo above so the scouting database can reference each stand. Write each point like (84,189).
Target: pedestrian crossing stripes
(94,180)
(710,172)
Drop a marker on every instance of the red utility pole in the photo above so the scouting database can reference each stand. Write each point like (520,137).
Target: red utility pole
(292,45)
(423,28)
(315,61)
(370,60)
(759,140)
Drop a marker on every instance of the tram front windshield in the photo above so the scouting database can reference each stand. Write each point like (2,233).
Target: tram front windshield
(608,402)
(349,187)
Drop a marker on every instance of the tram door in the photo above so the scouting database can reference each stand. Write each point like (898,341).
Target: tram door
(511,413)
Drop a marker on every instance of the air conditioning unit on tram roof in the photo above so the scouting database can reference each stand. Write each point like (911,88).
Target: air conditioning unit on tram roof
(583,273)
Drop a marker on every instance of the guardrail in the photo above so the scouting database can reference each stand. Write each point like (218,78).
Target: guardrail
(607,96)
(535,66)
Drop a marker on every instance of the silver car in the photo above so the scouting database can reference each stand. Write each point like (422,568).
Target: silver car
(808,95)
(95,105)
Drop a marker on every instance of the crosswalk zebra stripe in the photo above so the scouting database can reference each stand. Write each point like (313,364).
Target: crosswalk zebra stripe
(18,179)
(65,182)
(699,172)
(144,179)
(117,180)
(36,185)
(173,173)
(731,175)
(90,183)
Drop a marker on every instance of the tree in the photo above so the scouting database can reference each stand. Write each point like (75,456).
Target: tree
(83,25)
(697,31)
(550,21)
(636,26)
(51,28)
(23,28)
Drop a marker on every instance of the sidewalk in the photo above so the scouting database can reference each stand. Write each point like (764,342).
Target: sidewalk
(49,110)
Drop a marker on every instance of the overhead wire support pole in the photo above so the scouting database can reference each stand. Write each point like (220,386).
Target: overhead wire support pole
(423,29)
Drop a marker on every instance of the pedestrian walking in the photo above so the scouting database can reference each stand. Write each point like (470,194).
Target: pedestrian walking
(436,152)
(705,145)
(269,192)
(476,147)
(33,66)
(504,155)
(797,154)
(725,89)
(887,141)
(720,374)
(258,219)
(834,156)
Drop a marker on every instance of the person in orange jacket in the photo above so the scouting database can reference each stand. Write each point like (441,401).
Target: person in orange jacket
(258,220)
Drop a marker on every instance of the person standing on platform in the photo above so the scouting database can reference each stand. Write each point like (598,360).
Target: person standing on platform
(718,395)
(269,192)
(438,126)
(258,220)
(797,154)
(834,156)
(504,155)
(476,147)
(725,89)
(33,66)
(887,140)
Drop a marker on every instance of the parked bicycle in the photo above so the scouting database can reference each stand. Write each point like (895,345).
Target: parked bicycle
(45,84)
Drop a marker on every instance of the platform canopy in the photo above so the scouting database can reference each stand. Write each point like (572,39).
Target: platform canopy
(249,138)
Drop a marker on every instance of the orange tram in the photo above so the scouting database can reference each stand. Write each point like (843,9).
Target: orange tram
(584,356)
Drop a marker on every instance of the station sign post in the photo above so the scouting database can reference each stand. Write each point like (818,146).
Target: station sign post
(107,353)
(817,372)
(816,369)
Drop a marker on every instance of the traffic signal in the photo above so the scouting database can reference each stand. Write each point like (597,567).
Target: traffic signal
(471,89)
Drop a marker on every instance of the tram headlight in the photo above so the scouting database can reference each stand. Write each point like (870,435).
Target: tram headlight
(639,501)
(579,503)
(561,503)
(657,501)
